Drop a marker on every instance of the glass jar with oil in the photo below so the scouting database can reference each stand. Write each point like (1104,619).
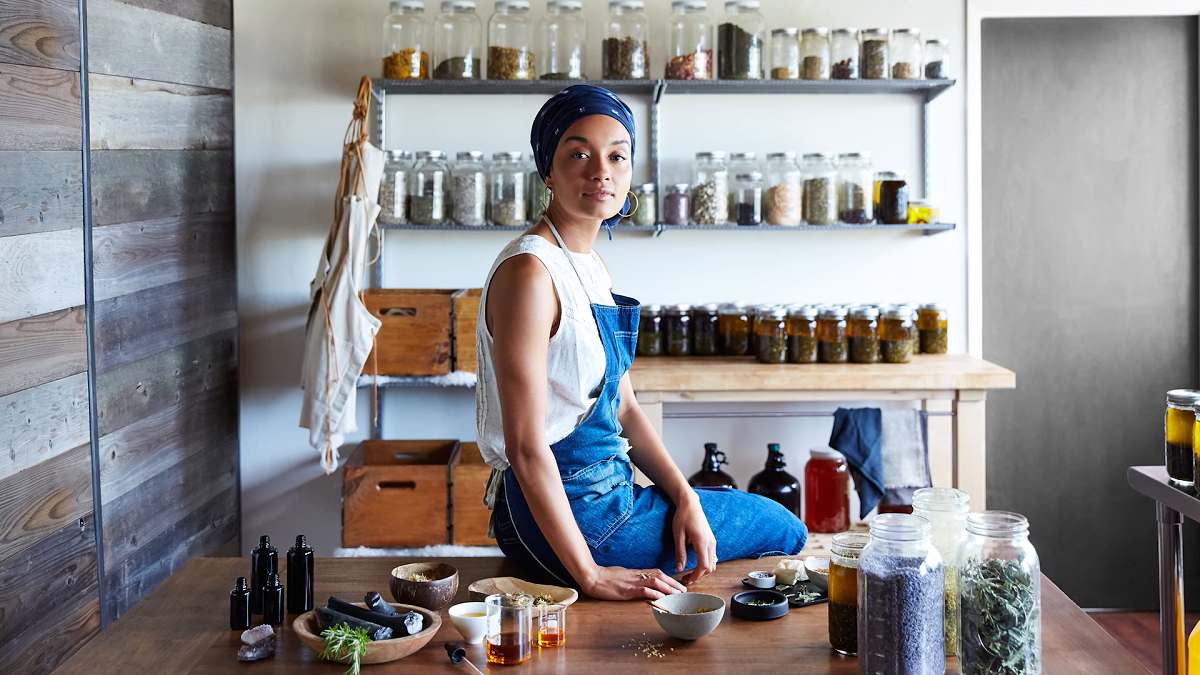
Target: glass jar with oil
(552,625)
(509,628)
(843,591)
(1178,432)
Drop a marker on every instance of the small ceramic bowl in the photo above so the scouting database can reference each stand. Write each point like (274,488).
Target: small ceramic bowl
(761,579)
(687,621)
(428,585)
(818,570)
(759,605)
(470,618)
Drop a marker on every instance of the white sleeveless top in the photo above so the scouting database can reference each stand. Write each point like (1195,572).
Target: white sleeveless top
(575,362)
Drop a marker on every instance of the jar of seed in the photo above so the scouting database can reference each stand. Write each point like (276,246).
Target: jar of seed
(1179,435)
(733,329)
(862,332)
(782,200)
(893,201)
(650,338)
(843,54)
(539,195)
(802,334)
(510,42)
(785,54)
(705,319)
(678,330)
(843,591)
(562,41)
(710,188)
(770,336)
(393,190)
(675,205)
(427,188)
(689,42)
(623,54)
(932,328)
(814,48)
(748,197)
(646,214)
(874,63)
(832,346)
(855,184)
(905,49)
(406,43)
(468,189)
(820,189)
(740,39)
(937,59)
(896,335)
(457,41)
(507,203)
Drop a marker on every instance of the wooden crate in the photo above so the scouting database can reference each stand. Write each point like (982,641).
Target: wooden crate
(394,493)
(466,315)
(469,515)
(416,332)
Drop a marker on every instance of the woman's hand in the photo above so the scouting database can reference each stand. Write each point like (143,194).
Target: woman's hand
(691,529)
(619,583)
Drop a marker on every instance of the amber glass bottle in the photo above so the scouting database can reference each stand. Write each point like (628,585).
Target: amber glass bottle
(710,473)
(775,483)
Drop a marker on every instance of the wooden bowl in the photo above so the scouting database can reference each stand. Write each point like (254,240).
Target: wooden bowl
(559,595)
(379,651)
(435,594)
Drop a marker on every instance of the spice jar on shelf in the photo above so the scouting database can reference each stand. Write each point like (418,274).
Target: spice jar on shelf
(932,328)
(457,41)
(675,205)
(427,188)
(855,185)
(733,329)
(937,59)
(832,346)
(845,550)
(785,54)
(843,54)
(862,332)
(880,176)
(624,53)
(820,189)
(678,330)
(646,214)
(770,336)
(510,42)
(704,329)
(826,492)
(896,332)
(468,189)
(802,334)
(1178,435)
(562,41)
(710,188)
(650,339)
(539,195)
(874,63)
(406,42)
(748,192)
(946,510)
(893,200)
(393,190)
(689,42)
(921,212)
(508,200)
(905,48)
(785,183)
(814,47)
(740,40)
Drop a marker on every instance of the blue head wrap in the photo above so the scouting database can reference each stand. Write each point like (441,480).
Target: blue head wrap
(564,109)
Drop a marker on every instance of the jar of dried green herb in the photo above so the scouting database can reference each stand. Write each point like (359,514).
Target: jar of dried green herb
(562,41)
(678,330)
(862,332)
(740,39)
(705,319)
(457,41)
(510,42)
(832,346)
(802,334)
(874,63)
(814,48)
(623,54)
(733,329)
(508,200)
(820,189)
(427,188)
(468,189)
(710,188)
(932,327)
(843,54)
(855,183)
(650,339)
(689,42)
(785,54)
(646,214)
(896,335)
(539,196)
(393,189)
(770,336)
(905,49)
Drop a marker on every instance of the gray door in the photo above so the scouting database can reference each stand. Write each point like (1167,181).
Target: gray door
(1090,282)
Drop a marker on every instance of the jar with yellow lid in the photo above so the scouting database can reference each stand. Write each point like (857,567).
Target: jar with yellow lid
(678,330)
(802,334)
(733,329)
(770,336)
(1178,430)
(650,331)
(862,332)
(832,346)
(896,335)
(704,329)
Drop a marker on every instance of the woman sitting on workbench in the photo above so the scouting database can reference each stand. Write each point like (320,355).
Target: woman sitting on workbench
(555,405)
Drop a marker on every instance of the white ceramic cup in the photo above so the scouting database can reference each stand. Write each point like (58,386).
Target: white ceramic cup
(761,579)
(470,618)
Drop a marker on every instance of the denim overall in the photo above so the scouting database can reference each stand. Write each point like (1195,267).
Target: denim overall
(626,524)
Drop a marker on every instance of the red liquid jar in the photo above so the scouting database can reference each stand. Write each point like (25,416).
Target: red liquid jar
(826,492)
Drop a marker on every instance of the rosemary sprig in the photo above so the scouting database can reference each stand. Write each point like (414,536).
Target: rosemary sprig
(346,645)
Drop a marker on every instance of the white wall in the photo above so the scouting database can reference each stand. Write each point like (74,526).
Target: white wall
(297,67)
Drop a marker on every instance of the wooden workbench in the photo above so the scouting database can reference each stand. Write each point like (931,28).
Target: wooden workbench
(953,386)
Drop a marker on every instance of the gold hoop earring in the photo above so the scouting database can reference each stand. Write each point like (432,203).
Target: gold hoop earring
(635,206)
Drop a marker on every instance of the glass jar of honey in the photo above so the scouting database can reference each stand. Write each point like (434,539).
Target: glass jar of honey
(733,329)
(896,335)
(770,336)
(862,332)
(1178,427)
(678,330)
(802,334)
(704,329)
(843,591)
(650,331)
(932,328)
(832,346)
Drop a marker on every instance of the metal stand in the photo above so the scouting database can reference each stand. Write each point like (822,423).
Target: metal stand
(1170,590)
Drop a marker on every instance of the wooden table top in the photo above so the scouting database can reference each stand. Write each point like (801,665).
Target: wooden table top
(743,373)
(182,627)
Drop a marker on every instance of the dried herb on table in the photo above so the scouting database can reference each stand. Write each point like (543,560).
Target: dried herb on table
(1000,619)
(345,645)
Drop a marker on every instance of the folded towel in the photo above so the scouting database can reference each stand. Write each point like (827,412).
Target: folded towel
(857,435)
(905,450)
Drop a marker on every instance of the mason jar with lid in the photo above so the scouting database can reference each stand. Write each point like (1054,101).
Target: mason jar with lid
(689,42)
(946,510)
(932,328)
(937,59)
(862,332)
(562,41)
(843,54)
(892,207)
(802,334)
(704,329)
(770,335)
(468,189)
(1178,435)
(874,63)
(748,198)
(508,201)
(678,330)
(406,43)
(820,189)
(880,177)
(646,214)
(905,49)
(427,188)
(785,183)
(740,39)
(510,42)
(814,48)
(832,346)
(457,42)
(624,54)
(855,187)
(539,195)
(710,188)
(675,205)
(785,54)
(845,551)
(651,333)
(733,329)
(393,190)
(896,335)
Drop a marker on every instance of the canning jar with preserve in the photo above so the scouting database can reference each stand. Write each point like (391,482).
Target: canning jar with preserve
(770,336)
(802,334)
(862,332)
(562,41)
(896,335)
(733,329)
(826,492)
(406,41)
(932,327)
(820,189)
(689,41)
(624,54)
(814,48)
(874,63)
(785,54)
(1178,435)
(843,54)
(508,200)
(832,346)
(740,39)
(468,189)
(845,550)
(427,188)
(510,42)
(393,190)
(905,48)
(710,188)
(678,330)
(705,319)
(650,339)
(458,42)
(855,187)
(937,59)
(782,201)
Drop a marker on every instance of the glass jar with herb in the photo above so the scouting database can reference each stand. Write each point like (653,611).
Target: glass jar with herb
(946,510)
(733,329)
(646,214)
(689,42)
(814,47)
(539,196)
(905,49)
(710,188)
(740,40)
(562,41)
(427,188)
(406,43)
(845,551)
(508,200)
(843,54)
(623,53)
(704,329)
(747,200)
(832,346)
(896,335)
(785,184)
(893,201)
(457,41)
(937,59)
(785,54)
(802,334)
(510,42)
(820,189)
(855,184)
(999,596)
(675,205)
(932,327)
(862,332)
(678,329)
(393,190)
(468,189)
(874,63)
(770,336)
(1178,436)
(651,333)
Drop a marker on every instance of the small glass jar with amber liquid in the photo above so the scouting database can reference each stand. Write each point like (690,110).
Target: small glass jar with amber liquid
(509,638)
(552,625)
(1177,432)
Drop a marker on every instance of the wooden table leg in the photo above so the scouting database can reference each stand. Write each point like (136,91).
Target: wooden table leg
(970,454)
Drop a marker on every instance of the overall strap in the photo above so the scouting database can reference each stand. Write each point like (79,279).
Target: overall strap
(566,252)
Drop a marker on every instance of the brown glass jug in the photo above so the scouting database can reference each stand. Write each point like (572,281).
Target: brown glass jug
(775,483)
(710,473)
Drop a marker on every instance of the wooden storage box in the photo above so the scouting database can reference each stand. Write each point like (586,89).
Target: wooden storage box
(469,515)
(414,338)
(466,316)
(394,493)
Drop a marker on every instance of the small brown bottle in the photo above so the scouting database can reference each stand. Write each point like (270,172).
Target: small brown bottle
(710,473)
(239,605)
(775,483)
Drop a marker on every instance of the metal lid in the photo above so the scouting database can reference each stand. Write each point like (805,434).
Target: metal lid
(906,31)
(680,187)
(786,154)
(430,154)
(748,176)
(776,312)
(458,4)
(937,41)
(418,5)
(520,5)
(708,307)
(743,156)
(741,4)
(571,5)
(818,30)
(872,31)
(1184,397)
(733,308)
(831,312)
(932,306)
(399,155)
(627,4)
(825,452)
(864,312)
(710,154)
(790,31)
(650,309)
(854,155)
(465,155)
(843,31)
(514,155)
(903,313)
(680,308)
(803,311)
(815,155)
(646,187)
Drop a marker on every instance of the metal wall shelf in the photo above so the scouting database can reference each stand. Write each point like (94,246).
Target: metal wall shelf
(925,228)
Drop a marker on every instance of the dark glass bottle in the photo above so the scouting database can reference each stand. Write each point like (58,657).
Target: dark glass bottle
(264,560)
(239,605)
(775,483)
(272,599)
(300,577)
(710,473)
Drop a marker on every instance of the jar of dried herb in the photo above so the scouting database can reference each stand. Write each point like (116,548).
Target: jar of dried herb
(624,54)
(874,62)
(845,551)
(946,510)
(675,205)
(802,334)
(510,42)
(896,333)
(468,189)
(999,596)
(785,183)
(740,39)
(646,214)
(393,190)
(1179,436)
(855,184)
(815,53)
(770,336)
(650,339)
(704,329)
(905,48)
(820,189)
(862,332)
(710,188)
(937,59)
(406,43)
(427,189)
(562,41)
(507,202)
(678,330)
(932,327)
(539,195)
(785,54)
(457,41)
(832,346)
(689,42)
(733,329)
(843,54)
